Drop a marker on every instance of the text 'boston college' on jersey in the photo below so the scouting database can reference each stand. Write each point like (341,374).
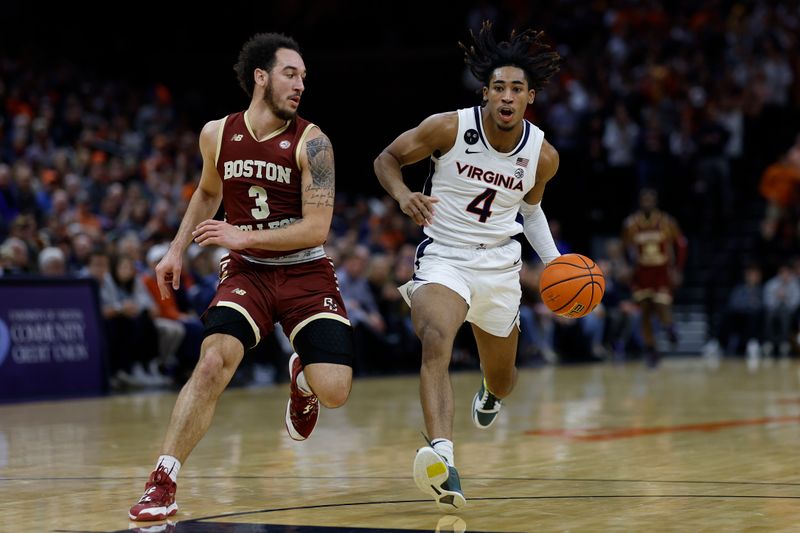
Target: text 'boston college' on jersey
(480,189)
(261,178)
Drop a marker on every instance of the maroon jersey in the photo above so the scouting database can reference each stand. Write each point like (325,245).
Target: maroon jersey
(653,238)
(261,179)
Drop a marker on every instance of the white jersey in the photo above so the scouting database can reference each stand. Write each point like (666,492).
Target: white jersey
(480,189)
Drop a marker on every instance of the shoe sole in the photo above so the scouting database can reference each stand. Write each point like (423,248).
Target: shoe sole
(288,420)
(475,420)
(430,472)
(149,517)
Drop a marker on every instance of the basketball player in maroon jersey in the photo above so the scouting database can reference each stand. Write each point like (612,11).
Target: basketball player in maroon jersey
(658,249)
(273,172)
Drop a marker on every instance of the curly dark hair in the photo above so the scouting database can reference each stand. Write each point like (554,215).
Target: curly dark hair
(525,50)
(259,52)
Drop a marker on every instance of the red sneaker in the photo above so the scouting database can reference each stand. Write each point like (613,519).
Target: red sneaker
(303,410)
(158,500)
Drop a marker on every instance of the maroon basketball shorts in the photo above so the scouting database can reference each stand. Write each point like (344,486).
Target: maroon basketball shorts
(293,295)
(652,282)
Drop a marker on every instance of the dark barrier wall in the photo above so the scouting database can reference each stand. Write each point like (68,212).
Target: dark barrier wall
(51,343)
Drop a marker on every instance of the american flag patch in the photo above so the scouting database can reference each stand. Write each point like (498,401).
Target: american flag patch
(522,162)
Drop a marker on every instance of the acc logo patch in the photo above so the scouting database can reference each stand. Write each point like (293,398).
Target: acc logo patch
(284,144)
(471,136)
(519,173)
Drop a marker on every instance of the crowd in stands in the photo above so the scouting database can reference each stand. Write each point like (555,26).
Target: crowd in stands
(95,177)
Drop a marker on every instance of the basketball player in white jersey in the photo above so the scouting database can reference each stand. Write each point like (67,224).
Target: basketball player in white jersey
(490,164)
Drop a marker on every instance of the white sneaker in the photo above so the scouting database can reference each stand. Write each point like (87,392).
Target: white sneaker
(437,479)
(485,407)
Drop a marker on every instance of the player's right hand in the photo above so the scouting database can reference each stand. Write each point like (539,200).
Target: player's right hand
(168,272)
(419,207)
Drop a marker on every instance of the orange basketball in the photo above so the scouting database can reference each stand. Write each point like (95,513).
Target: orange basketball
(572,285)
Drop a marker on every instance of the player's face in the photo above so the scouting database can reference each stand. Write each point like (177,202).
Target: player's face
(285,85)
(648,201)
(507,96)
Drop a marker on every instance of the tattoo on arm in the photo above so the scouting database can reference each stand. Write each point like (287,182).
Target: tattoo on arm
(320,193)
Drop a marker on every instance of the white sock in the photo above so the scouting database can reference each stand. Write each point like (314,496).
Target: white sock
(171,465)
(444,448)
(302,384)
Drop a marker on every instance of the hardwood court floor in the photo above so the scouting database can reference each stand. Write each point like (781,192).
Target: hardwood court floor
(585,448)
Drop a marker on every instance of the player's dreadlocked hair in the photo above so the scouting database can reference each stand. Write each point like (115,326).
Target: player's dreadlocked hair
(259,52)
(525,50)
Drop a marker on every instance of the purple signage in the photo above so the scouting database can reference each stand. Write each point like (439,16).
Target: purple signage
(51,345)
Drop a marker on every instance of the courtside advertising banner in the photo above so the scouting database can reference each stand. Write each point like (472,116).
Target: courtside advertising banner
(51,343)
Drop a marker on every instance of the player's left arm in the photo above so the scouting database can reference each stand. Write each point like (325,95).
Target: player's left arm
(317,185)
(535,226)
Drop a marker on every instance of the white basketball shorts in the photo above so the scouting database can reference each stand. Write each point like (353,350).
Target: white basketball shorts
(486,278)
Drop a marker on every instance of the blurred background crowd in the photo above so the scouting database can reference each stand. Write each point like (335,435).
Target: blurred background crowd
(701,101)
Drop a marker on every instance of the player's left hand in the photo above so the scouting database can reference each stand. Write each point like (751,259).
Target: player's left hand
(216,232)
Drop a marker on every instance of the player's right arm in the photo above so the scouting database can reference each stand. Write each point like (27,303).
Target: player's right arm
(203,205)
(436,133)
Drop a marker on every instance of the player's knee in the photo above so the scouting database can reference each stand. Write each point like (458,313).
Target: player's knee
(436,344)
(334,397)
(208,374)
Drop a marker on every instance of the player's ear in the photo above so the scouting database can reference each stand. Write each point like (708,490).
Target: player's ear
(260,76)
(531,96)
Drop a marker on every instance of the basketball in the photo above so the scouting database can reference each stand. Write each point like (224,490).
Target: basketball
(572,285)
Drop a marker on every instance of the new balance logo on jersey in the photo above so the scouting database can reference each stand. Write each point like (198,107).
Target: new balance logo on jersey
(488,176)
(240,292)
(251,168)
(237,137)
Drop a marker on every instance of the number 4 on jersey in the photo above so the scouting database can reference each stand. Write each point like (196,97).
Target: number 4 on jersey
(482,204)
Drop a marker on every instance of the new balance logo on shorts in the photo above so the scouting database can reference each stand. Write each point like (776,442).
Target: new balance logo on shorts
(330,304)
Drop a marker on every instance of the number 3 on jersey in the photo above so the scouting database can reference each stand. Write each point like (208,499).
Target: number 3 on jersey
(483,211)
(262,209)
